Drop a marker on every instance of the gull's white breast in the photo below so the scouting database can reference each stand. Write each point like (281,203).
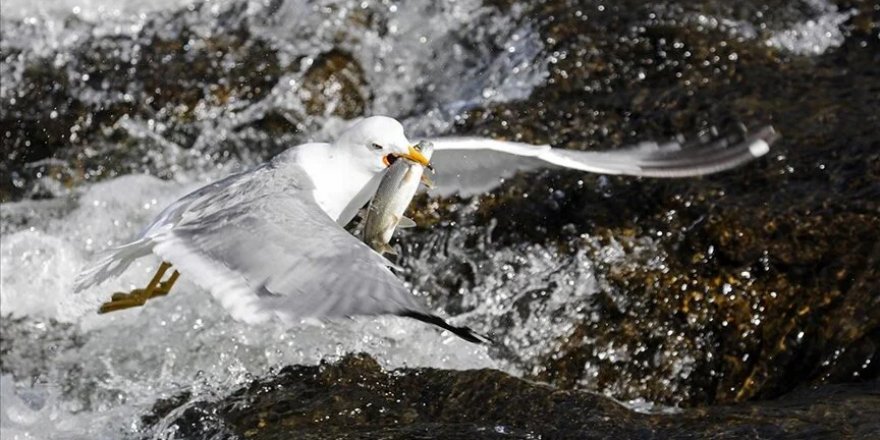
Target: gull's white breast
(341,187)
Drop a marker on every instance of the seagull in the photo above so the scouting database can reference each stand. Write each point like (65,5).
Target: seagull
(270,243)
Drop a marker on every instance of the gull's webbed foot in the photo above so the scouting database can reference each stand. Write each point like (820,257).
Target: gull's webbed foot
(138,297)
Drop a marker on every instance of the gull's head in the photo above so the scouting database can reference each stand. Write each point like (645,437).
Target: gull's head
(377,141)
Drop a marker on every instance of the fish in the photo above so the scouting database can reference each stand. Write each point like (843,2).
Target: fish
(396,190)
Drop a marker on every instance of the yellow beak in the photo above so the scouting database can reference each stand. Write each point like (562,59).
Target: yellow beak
(417,156)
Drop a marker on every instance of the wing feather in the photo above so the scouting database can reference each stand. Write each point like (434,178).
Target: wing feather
(264,248)
(473,165)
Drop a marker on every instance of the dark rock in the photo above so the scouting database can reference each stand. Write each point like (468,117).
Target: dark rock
(157,78)
(739,286)
(763,268)
(335,85)
(35,121)
(355,398)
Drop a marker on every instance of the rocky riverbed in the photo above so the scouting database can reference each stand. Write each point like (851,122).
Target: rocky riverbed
(355,398)
(741,304)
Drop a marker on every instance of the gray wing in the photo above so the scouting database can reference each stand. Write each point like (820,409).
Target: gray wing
(474,165)
(115,261)
(264,248)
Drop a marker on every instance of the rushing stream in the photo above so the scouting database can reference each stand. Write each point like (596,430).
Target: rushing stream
(662,296)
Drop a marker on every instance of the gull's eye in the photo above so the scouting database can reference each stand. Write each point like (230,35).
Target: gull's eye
(376,146)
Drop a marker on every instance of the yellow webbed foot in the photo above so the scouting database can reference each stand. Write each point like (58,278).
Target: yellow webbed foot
(138,297)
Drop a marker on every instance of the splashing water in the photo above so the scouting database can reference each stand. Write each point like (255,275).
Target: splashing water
(68,373)
(99,374)
(123,362)
(420,62)
(814,30)
(815,35)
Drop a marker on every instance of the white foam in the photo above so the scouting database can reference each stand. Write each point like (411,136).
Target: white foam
(813,36)
(36,276)
(20,419)
(816,33)
(86,9)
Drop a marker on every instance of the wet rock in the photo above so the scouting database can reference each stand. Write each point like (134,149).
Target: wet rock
(215,70)
(750,286)
(740,286)
(36,120)
(355,398)
(136,102)
(335,85)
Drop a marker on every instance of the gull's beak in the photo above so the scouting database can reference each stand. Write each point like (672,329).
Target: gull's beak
(416,156)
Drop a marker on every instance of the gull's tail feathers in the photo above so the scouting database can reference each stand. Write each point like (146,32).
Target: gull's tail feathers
(112,264)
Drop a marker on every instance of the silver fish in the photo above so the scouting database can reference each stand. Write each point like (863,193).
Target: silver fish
(396,191)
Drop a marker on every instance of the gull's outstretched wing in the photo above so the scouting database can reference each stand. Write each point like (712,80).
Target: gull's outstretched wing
(264,248)
(474,165)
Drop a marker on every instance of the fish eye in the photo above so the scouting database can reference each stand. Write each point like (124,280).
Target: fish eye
(376,146)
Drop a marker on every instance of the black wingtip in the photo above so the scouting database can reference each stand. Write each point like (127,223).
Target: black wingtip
(462,332)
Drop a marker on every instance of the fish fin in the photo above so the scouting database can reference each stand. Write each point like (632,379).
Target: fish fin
(427,181)
(406,222)
(387,249)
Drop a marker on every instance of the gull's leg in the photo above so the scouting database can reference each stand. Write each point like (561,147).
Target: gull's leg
(138,297)
(118,296)
(148,292)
